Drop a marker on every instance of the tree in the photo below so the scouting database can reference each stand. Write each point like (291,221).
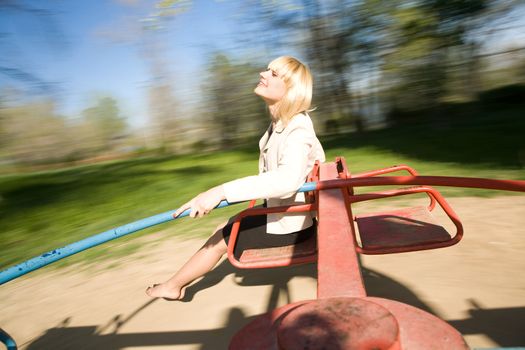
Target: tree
(234,111)
(165,131)
(427,49)
(163,113)
(406,53)
(34,134)
(105,119)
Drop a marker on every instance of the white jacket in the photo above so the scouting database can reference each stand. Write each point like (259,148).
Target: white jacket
(286,159)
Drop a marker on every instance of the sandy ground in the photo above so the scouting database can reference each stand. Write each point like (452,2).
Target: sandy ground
(478,286)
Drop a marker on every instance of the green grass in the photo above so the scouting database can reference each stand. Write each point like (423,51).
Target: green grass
(45,210)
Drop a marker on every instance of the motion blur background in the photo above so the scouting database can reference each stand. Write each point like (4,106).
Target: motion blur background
(111,111)
(85,81)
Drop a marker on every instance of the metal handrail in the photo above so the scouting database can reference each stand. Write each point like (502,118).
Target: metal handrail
(47,258)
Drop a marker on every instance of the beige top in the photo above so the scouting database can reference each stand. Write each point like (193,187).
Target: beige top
(287,157)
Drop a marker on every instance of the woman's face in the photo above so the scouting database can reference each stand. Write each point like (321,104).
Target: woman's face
(271,87)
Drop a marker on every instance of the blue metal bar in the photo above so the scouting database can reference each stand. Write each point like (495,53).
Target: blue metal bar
(512,348)
(8,341)
(92,241)
(60,253)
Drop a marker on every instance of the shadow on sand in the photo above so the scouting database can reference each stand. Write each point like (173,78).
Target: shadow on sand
(503,326)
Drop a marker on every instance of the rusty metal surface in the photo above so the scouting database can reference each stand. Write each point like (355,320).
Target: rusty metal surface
(339,323)
(287,255)
(405,230)
(338,268)
(345,323)
(398,228)
(261,333)
(420,330)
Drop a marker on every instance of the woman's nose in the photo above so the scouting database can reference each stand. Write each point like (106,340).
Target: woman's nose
(266,73)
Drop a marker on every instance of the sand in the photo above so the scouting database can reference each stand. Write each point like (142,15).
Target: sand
(478,286)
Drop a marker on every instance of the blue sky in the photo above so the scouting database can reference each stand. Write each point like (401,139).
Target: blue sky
(95,48)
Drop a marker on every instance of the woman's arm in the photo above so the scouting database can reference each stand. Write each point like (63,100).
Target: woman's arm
(281,182)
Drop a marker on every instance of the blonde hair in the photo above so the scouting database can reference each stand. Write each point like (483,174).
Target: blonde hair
(298,81)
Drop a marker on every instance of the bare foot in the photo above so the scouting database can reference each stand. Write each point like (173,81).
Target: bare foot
(163,290)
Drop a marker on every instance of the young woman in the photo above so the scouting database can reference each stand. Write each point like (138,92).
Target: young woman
(288,151)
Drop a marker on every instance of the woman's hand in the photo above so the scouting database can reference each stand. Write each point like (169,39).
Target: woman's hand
(203,203)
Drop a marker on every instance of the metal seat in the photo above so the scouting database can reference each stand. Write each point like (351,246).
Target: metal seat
(396,229)
(305,252)
(402,230)
(300,253)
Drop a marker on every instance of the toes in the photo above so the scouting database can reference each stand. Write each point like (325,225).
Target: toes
(149,290)
(160,291)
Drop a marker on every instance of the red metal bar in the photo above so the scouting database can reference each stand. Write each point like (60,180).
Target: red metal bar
(392,169)
(338,268)
(390,193)
(450,181)
(344,173)
(510,185)
(313,177)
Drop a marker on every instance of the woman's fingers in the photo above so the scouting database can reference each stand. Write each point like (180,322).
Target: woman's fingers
(194,209)
(199,209)
(202,204)
(194,212)
(183,208)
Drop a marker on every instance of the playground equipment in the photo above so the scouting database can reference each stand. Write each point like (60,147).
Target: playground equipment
(342,316)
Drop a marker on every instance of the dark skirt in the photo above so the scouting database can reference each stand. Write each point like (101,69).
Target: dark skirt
(253,235)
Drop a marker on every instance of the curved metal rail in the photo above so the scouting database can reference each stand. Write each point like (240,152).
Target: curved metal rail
(47,258)
(7,340)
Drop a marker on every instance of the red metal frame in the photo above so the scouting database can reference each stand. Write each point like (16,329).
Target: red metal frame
(392,169)
(344,178)
(343,316)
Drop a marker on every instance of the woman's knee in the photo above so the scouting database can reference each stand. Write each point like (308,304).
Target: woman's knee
(220,227)
(216,240)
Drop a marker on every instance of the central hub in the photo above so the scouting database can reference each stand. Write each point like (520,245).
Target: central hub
(339,323)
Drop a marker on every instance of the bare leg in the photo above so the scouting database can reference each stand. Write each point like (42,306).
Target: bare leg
(198,265)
